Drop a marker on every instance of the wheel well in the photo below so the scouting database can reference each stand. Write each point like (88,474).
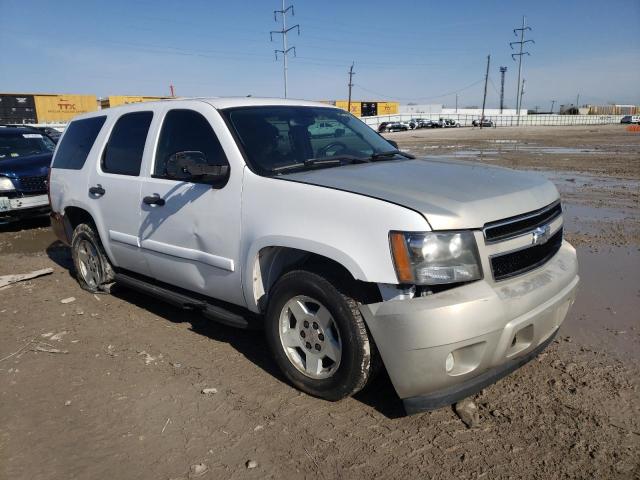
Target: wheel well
(76,216)
(273,262)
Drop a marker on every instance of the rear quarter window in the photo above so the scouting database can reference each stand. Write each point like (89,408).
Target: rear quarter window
(77,142)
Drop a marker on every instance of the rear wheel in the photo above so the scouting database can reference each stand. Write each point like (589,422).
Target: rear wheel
(93,268)
(318,336)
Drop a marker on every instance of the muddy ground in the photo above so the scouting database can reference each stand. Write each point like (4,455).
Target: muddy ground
(124,399)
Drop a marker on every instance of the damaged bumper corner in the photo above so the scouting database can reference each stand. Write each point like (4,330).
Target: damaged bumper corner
(444,347)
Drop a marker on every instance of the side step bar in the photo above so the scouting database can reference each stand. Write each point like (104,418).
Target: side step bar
(182,300)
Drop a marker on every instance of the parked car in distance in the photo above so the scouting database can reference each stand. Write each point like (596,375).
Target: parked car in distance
(25,157)
(485,123)
(448,123)
(52,133)
(326,129)
(392,127)
(351,254)
(428,124)
(630,119)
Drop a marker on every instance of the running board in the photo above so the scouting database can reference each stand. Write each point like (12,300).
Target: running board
(182,300)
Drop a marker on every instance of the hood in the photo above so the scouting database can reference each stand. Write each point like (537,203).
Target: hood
(451,194)
(35,165)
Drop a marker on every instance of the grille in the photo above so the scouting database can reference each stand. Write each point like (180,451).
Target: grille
(33,184)
(521,224)
(514,263)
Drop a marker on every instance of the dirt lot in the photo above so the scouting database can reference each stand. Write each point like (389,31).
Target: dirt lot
(122,397)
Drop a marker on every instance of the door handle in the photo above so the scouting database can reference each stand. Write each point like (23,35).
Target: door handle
(97,191)
(154,200)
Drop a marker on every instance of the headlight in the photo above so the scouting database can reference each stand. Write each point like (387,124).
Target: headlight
(6,185)
(433,258)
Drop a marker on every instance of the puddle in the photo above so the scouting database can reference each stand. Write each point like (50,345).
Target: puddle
(28,236)
(605,315)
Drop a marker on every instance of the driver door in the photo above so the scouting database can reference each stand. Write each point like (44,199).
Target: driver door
(190,231)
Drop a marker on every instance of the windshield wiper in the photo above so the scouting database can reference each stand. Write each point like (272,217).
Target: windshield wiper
(376,157)
(321,162)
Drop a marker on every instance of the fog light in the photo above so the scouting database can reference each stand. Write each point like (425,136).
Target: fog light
(448,363)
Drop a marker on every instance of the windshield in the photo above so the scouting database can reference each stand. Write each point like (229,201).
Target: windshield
(24,144)
(275,138)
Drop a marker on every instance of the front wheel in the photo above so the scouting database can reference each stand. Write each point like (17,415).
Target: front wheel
(93,269)
(318,336)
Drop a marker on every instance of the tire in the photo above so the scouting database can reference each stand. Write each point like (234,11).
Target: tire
(93,268)
(356,364)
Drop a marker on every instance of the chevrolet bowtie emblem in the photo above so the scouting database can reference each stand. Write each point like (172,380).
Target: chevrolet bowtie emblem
(540,235)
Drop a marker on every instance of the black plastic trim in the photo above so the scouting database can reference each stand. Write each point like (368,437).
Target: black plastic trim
(448,396)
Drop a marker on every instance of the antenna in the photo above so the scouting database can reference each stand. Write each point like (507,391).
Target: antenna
(285,50)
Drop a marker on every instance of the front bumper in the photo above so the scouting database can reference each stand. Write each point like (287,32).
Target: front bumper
(23,207)
(489,328)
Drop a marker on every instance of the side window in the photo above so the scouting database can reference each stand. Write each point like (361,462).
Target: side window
(77,142)
(123,153)
(187,131)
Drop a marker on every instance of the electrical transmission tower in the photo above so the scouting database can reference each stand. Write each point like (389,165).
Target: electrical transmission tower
(521,52)
(503,70)
(285,49)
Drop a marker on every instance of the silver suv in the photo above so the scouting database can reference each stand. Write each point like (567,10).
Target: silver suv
(351,254)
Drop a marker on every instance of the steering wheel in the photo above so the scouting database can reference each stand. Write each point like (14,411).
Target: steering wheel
(322,152)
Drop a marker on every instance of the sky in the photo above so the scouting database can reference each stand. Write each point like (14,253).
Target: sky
(408,51)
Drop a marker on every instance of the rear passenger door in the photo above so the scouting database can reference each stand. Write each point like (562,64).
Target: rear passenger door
(114,189)
(191,234)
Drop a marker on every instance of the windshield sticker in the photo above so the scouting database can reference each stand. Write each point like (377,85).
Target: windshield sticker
(31,135)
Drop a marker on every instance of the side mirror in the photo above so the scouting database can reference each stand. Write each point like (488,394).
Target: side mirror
(339,132)
(192,166)
(394,144)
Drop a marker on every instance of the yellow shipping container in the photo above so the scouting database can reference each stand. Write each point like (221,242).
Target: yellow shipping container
(355,106)
(388,108)
(62,108)
(116,100)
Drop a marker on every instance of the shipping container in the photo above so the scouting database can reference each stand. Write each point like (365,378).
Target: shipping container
(116,100)
(356,107)
(370,108)
(62,108)
(17,108)
(388,108)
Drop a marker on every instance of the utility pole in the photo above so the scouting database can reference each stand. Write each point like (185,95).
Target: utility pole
(578,104)
(457,103)
(521,52)
(553,102)
(521,94)
(285,50)
(503,70)
(171,89)
(484,98)
(351,74)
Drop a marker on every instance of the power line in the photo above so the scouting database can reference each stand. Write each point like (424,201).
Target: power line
(522,43)
(420,98)
(285,50)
